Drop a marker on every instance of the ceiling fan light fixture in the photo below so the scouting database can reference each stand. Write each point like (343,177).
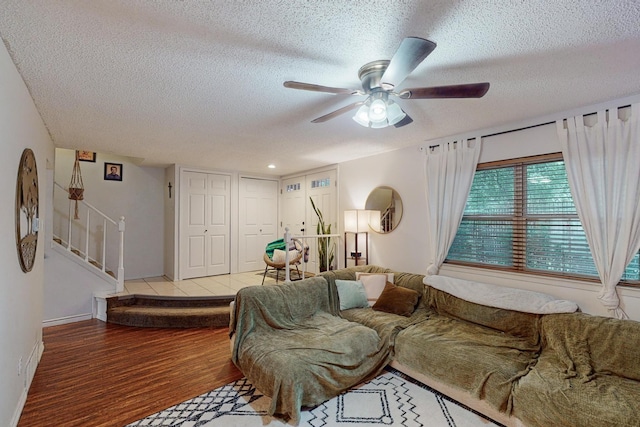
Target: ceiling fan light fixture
(378,111)
(362,116)
(378,106)
(394,113)
(379,125)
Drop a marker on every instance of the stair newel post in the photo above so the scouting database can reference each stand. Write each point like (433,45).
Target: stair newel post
(287,241)
(104,244)
(86,243)
(120,279)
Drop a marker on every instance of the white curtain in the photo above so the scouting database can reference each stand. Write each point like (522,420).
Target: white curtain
(449,171)
(603,167)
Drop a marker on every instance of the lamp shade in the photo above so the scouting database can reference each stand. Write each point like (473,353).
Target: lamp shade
(378,111)
(362,116)
(394,113)
(357,220)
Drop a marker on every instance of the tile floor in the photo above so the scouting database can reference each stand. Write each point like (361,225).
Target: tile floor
(224,285)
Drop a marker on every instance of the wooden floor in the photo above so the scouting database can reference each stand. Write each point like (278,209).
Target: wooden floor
(98,374)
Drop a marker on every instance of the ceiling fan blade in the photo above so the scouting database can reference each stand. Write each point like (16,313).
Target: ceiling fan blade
(407,120)
(472,90)
(336,113)
(412,51)
(318,88)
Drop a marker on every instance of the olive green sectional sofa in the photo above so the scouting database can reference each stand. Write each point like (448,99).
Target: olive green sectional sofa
(519,357)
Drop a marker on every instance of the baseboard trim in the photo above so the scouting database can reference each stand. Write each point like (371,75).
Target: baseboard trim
(67,319)
(29,373)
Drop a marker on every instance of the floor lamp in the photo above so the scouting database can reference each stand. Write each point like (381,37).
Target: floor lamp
(356,223)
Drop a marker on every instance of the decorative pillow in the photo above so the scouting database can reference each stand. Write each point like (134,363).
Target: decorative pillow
(397,300)
(279,255)
(351,294)
(374,284)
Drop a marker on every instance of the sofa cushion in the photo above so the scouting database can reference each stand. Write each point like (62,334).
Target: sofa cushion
(469,357)
(587,374)
(305,366)
(351,294)
(397,300)
(387,325)
(515,323)
(589,346)
(411,281)
(550,396)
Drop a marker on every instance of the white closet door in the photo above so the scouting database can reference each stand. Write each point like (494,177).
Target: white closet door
(204,224)
(258,221)
(218,224)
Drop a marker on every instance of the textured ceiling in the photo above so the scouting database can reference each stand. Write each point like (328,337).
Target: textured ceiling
(199,83)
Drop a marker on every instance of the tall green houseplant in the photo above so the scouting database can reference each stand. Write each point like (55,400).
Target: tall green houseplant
(324,243)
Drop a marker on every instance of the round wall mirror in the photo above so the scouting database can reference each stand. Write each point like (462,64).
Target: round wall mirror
(387,201)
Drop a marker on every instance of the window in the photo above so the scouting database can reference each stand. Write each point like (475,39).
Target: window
(520,216)
(317,183)
(293,187)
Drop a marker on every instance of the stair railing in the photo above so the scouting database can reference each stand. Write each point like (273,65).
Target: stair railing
(106,220)
(288,237)
(386,220)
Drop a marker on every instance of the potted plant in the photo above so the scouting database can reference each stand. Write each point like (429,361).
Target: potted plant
(324,243)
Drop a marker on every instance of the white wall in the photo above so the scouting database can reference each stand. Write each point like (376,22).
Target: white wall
(138,197)
(403,170)
(69,290)
(404,248)
(21,293)
(170,226)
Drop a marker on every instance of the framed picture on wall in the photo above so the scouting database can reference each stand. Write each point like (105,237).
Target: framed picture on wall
(86,156)
(113,171)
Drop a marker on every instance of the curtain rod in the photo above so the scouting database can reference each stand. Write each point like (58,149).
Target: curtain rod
(523,128)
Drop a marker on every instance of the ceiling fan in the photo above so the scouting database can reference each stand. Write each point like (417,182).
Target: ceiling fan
(379,80)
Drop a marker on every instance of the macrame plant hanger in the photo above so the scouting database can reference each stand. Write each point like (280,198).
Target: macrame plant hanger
(76,188)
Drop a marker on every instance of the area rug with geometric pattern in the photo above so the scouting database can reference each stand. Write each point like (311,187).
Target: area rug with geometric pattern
(390,399)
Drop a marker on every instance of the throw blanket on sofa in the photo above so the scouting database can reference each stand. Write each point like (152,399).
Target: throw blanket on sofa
(501,296)
(291,342)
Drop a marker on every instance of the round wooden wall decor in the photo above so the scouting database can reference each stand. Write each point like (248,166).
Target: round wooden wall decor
(27,220)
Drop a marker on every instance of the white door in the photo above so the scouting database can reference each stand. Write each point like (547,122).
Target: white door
(294,200)
(204,224)
(258,221)
(321,187)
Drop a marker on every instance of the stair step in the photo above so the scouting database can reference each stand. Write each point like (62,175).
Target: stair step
(91,261)
(170,317)
(169,312)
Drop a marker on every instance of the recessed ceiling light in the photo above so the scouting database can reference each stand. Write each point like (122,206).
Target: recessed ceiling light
(271,166)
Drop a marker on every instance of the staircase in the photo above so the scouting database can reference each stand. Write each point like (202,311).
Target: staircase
(157,311)
(91,240)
